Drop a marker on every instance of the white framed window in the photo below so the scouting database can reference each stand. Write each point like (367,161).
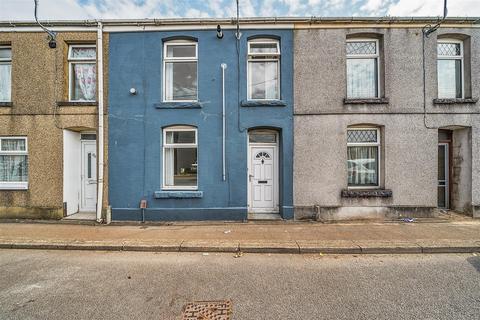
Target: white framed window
(263,70)
(5,73)
(13,163)
(180,63)
(363,71)
(363,157)
(180,165)
(82,66)
(450,68)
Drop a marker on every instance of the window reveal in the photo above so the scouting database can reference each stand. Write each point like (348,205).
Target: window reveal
(263,69)
(363,153)
(83,72)
(362,69)
(180,158)
(5,74)
(450,69)
(180,71)
(13,163)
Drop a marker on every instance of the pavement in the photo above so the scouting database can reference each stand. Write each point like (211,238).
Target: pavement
(60,284)
(429,236)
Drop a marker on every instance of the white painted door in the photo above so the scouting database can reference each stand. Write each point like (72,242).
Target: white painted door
(263,179)
(89,176)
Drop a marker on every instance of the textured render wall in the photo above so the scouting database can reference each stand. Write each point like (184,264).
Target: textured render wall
(461,192)
(410,157)
(39,80)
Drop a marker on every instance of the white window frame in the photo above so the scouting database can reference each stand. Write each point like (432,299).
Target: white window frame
(273,57)
(177,59)
(7,61)
(18,185)
(178,146)
(71,61)
(461,58)
(375,56)
(378,144)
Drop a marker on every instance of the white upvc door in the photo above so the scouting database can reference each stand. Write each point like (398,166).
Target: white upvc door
(89,176)
(263,179)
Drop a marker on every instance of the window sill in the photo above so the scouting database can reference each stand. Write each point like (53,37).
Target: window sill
(455,101)
(77,103)
(263,103)
(178,194)
(6,104)
(178,105)
(13,186)
(366,101)
(365,193)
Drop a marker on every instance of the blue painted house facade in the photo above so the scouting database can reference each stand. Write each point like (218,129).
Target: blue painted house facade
(200,124)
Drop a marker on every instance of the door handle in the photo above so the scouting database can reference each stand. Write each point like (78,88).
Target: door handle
(250,176)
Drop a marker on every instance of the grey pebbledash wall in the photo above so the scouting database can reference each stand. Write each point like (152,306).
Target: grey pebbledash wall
(409,148)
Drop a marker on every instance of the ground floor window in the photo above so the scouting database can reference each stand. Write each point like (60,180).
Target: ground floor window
(13,163)
(180,158)
(363,154)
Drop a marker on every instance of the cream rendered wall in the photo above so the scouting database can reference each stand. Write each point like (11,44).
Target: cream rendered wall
(71,170)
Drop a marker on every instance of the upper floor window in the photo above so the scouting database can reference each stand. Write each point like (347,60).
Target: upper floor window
(450,68)
(82,72)
(180,59)
(363,157)
(263,69)
(180,157)
(13,163)
(363,79)
(5,74)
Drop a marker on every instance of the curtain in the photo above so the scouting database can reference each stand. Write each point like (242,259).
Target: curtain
(85,81)
(169,164)
(5,82)
(13,145)
(362,166)
(13,168)
(361,78)
(449,78)
(264,79)
(181,80)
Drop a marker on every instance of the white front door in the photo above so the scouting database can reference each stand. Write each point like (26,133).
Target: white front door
(263,179)
(89,176)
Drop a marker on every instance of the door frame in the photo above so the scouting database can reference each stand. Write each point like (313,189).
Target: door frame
(447,174)
(82,176)
(276,170)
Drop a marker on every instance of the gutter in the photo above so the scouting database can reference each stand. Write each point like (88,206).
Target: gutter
(100,138)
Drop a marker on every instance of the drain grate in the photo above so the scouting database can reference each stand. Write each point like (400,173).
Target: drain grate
(208,310)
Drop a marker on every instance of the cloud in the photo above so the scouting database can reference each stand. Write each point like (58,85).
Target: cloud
(138,9)
(459,8)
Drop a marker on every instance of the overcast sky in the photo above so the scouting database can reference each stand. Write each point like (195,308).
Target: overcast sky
(135,9)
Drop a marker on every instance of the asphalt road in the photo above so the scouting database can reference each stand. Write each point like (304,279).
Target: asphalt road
(129,285)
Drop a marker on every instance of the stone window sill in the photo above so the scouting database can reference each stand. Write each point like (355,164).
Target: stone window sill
(178,105)
(178,194)
(6,104)
(366,101)
(77,103)
(263,103)
(455,101)
(366,193)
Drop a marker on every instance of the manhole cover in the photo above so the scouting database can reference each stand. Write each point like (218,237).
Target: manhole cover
(208,310)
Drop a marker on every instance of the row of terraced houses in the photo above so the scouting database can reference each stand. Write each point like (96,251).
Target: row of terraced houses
(270,118)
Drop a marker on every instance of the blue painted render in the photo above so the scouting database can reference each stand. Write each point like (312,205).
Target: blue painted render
(136,122)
